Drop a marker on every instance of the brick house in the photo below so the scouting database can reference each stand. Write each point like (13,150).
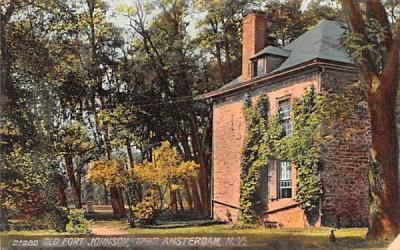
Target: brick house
(283,74)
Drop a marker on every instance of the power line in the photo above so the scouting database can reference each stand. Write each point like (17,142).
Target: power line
(147,101)
(149,104)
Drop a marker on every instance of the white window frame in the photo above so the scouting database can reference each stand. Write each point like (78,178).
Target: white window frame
(285,119)
(284,178)
(255,64)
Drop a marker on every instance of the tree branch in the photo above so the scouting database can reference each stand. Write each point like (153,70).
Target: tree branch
(378,11)
(393,59)
(354,18)
(9,11)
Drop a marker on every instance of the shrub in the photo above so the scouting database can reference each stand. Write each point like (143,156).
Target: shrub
(58,219)
(77,223)
(146,210)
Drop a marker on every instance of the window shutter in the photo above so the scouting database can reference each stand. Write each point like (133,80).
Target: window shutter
(272,181)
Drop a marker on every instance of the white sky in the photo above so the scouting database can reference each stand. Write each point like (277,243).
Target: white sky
(123,22)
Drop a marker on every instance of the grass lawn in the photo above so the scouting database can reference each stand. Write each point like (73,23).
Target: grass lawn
(260,238)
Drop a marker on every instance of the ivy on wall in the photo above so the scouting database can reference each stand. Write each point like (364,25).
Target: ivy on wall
(264,141)
(258,148)
(304,150)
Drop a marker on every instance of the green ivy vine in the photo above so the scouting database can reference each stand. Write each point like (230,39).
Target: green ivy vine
(304,150)
(258,148)
(264,141)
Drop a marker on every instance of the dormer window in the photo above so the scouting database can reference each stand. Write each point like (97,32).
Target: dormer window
(258,67)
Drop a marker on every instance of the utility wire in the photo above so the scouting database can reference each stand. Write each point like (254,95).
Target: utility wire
(161,103)
(149,103)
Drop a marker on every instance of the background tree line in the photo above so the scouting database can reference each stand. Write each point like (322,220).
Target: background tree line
(79,91)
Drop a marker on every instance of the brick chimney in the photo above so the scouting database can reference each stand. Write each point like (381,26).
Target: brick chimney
(253,39)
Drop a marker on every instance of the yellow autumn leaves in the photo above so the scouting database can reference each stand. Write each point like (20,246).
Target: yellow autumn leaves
(165,169)
(108,172)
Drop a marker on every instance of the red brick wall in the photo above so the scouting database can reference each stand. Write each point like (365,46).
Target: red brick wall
(228,137)
(345,160)
(345,164)
(293,217)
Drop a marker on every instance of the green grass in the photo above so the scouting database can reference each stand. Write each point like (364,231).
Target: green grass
(261,238)
(31,233)
(229,230)
(258,238)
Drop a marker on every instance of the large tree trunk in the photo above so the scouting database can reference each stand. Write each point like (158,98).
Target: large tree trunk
(174,205)
(129,151)
(117,202)
(115,194)
(189,196)
(221,68)
(194,198)
(137,187)
(73,182)
(60,191)
(203,173)
(7,90)
(195,194)
(180,200)
(384,171)
(383,84)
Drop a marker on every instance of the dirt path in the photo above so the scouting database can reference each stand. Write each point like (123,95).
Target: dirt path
(106,228)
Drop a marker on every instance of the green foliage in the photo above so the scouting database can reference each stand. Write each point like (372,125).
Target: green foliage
(220,35)
(286,20)
(26,183)
(264,141)
(58,219)
(77,224)
(304,150)
(258,148)
(369,46)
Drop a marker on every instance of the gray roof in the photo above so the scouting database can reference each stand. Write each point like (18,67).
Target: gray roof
(272,50)
(235,81)
(320,42)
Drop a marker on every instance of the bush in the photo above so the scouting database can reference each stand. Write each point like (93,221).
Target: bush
(4,225)
(58,219)
(53,220)
(77,223)
(146,210)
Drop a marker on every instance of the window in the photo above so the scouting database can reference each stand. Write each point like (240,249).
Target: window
(284,116)
(285,179)
(258,67)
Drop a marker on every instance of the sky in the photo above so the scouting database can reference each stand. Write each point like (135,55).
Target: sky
(123,22)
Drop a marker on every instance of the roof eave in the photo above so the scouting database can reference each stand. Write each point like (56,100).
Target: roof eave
(284,72)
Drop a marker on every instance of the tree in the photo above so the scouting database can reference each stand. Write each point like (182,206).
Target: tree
(28,159)
(166,171)
(113,175)
(171,76)
(287,21)
(75,143)
(375,46)
(220,34)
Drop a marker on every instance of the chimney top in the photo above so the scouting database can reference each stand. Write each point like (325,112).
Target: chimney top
(254,12)
(253,39)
